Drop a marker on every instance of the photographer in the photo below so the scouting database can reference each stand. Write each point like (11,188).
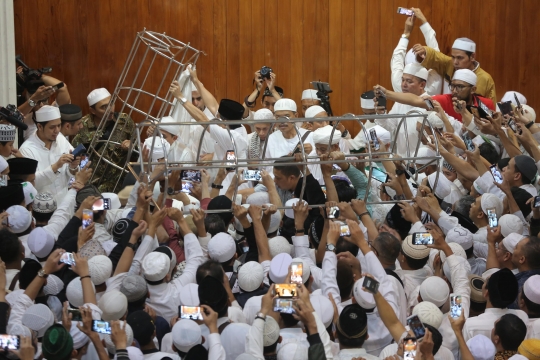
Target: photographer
(264,80)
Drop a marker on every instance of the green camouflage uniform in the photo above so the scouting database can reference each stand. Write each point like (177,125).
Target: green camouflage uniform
(114,153)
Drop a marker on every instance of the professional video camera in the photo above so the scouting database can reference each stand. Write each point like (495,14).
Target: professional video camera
(29,79)
(13,115)
(323,89)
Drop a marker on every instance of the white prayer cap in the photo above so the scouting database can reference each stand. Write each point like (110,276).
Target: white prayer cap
(464,44)
(424,151)
(221,247)
(531,289)
(410,57)
(164,125)
(490,201)
(7,133)
(461,236)
(417,70)
(362,297)
(510,242)
(322,135)
(309,94)
(3,164)
(530,114)
(186,334)
(19,218)
(306,270)
(47,113)
(100,268)
(367,100)
(358,142)
(285,105)
(38,317)
(44,203)
(74,292)
(292,351)
(481,347)
(97,95)
(189,296)
(444,186)
(40,242)
(30,193)
(434,120)
(383,134)
(79,338)
(161,147)
(275,220)
(251,308)
(279,268)
(263,114)
(155,266)
(290,212)
(509,96)
(250,276)
(111,348)
(429,313)
(271,331)
(435,290)
(510,223)
(279,245)
(134,287)
(465,75)
(323,307)
(19,329)
(54,285)
(314,110)
(113,304)
(115,200)
(414,251)
(456,250)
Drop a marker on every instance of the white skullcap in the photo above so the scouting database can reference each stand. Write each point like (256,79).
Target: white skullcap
(464,44)
(78,337)
(54,285)
(271,331)
(134,287)
(444,186)
(530,114)
(429,313)
(424,151)
(30,192)
(74,292)
(435,290)
(263,114)
(383,134)
(97,95)
(279,245)
(275,220)
(510,242)
(531,289)
(279,268)
(258,198)
(100,268)
(434,120)
(310,94)
(306,270)
(115,200)
(186,334)
(417,70)
(362,297)
(111,348)
(189,296)
(221,247)
(20,219)
(3,164)
(40,242)
(322,135)
(285,105)
(38,317)
(457,250)
(313,110)
(161,147)
(481,347)
(7,133)
(465,75)
(165,125)
(510,223)
(323,307)
(19,329)
(113,304)
(44,203)
(292,351)
(509,96)
(414,251)
(410,57)
(490,201)
(47,113)
(461,236)
(156,266)
(290,212)
(250,276)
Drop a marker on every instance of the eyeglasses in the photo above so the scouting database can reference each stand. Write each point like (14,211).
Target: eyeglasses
(458,87)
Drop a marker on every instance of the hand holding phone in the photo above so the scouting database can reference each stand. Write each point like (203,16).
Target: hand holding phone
(492,218)
(496,174)
(405,11)
(416,326)
(422,238)
(333,213)
(373,135)
(67,258)
(371,285)
(87,218)
(455,306)
(10,342)
(190,312)
(296,272)
(101,327)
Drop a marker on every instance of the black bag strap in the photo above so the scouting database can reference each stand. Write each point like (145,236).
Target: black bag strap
(232,280)
(223,326)
(393,273)
(14,282)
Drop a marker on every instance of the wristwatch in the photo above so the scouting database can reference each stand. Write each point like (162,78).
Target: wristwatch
(32,103)
(217,186)
(260,315)
(345,133)
(298,231)
(133,246)
(182,100)
(42,274)
(331,247)
(170,191)
(528,126)
(404,36)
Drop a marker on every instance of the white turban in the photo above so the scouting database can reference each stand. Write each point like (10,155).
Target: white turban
(322,135)
(416,70)
(161,147)
(464,44)
(285,105)
(314,110)
(444,186)
(465,75)
(425,151)
(164,125)
(47,113)
(309,94)
(263,114)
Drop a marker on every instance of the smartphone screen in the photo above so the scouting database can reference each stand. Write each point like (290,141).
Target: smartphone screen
(513,126)
(186,187)
(405,11)
(284,305)
(416,326)
(422,238)
(67,258)
(492,218)
(296,272)
(3,180)
(101,327)
(455,305)
(252,175)
(537,201)
(102,204)
(496,174)
(333,213)
(370,285)
(231,159)
(373,135)
(75,314)
(87,218)
(468,142)
(285,290)
(190,312)
(409,348)
(11,342)
(379,175)
(84,160)
(484,110)
(191,175)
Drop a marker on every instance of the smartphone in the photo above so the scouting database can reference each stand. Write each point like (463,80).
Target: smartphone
(422,238)
(483,109)
(84,160)
(323,188)
(416,326)
(373,135)
(379,175)
(512,125)
(67,258)
(10,342)
(492,218)
(78,151)
(190,312)
(285,290)
(102,204)
(3,180)
(335,167)
(252,175)
(517,101)
(186,187)
(75,314)
(284,305)
(458,105)
(505,107)
(409,348)
(191,175)
(405,11)
(231,160)
(468,142)
(496,174)
(296,272)
(58,86)
(87,218)
(455,305)
(429,104)
(537,201)
(371,285)
(474,110)
(381,102)
(428,139)
(101,327)
(333,212)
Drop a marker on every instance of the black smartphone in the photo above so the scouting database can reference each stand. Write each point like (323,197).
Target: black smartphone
(505,107)
(58,86)
(10,342)
(429,104)
(513,126)
(75,314)
(373,135)
(333,213)
(405,11)
(537,201)
(231,160)
(517,100)
(370,285)
(190,312)
(416,326)
(496,174)
(286,290)
(381,102)
(318,85)
(78,151)
(483,110)
(422,238)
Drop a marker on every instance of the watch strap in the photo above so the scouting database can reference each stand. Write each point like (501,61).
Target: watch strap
(217,186)
(298,231)
(528,126)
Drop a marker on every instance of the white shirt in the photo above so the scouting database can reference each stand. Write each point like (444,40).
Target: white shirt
(278,146)
(413,278)
(348,354)
(302,250)
(484,323)
(46,179)
(533,329)
(442,354)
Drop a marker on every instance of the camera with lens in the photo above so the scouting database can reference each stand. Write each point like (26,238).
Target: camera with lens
(29,79)
(13,116)
(265,72)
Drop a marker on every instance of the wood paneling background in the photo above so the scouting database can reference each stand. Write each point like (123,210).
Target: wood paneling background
(348,43)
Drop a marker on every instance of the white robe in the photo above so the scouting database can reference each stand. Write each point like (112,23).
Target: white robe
(278,146)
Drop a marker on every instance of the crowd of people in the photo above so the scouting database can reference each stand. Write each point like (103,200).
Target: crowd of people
(434,258)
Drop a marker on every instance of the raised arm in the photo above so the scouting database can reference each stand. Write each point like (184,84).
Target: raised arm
(260,234)
(209,99)
(194,111)
(403,98)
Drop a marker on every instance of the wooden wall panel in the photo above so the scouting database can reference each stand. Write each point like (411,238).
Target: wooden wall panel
(346,42)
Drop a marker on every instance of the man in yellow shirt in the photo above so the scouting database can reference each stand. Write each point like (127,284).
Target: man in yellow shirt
(462,57)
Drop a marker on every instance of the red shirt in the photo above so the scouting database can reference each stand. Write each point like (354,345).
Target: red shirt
(446,103)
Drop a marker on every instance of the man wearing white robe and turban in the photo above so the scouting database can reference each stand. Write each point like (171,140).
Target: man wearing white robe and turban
(322,137)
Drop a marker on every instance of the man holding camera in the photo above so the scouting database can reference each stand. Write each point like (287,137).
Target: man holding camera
(263,79)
